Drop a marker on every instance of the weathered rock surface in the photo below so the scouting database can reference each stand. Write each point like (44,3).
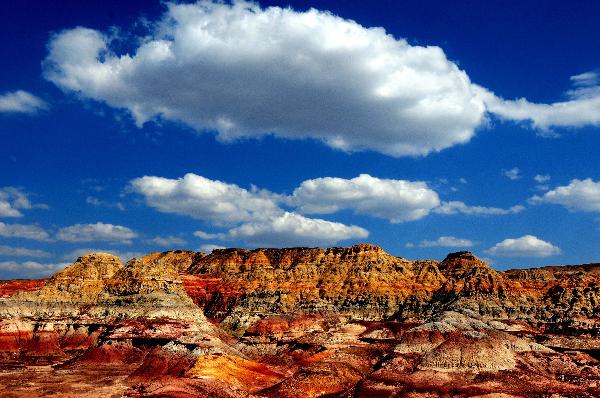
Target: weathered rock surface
(237,287)
(301,322)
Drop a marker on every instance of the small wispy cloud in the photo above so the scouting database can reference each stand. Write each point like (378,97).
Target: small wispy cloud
(444,241)
(94,201)
(166,241)
(21,102)
(458,207)
(512,174)
(11,251)
(96,232)
(541,178)
(31,268)
(25,231)
(13,200)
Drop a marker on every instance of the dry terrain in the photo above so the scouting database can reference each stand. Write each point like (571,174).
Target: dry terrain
(301,322)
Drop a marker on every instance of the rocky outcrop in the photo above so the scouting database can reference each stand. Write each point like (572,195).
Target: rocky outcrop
(99,286)
(82,281)
(238,287)
(98,300)
(302,322)
(456,342)
(563,295)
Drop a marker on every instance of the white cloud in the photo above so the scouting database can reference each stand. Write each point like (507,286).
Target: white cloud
(290,229)
(579,195)
(249,215)
(295,75)
(512,174)
(541,178)
(123,255)
(166,241)
(22,252)
(31,268)
(581,109)
(254,215)
(206,235)
(525,246)
(394,200)
(6,210)
(208,248)
(96,232)
(12,200)
(244,71)
(456,207)
(20,101)
(94,201)
(447,241)
(585,86)
(205,199)
(585,79)
(26,231)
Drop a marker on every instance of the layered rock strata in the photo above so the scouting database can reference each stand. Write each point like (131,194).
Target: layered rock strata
(301,322)
(237,287)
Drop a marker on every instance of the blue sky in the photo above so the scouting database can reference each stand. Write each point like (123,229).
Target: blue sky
(423,127)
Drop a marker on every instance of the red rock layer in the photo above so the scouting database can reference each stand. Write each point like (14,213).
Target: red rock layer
(9,288)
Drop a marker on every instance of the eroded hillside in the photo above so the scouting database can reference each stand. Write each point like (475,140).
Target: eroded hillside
(301,322)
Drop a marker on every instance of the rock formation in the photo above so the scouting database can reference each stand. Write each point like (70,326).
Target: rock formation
(301,322)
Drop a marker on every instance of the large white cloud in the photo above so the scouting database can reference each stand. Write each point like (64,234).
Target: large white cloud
(244,71)
(20,102)
(578,195)
(25,231)
(525,246)
(394,200)
(204,199)
(96,232)
(291,229)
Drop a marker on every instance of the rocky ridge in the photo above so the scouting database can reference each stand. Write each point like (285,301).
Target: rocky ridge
(305,322)
(239,286)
